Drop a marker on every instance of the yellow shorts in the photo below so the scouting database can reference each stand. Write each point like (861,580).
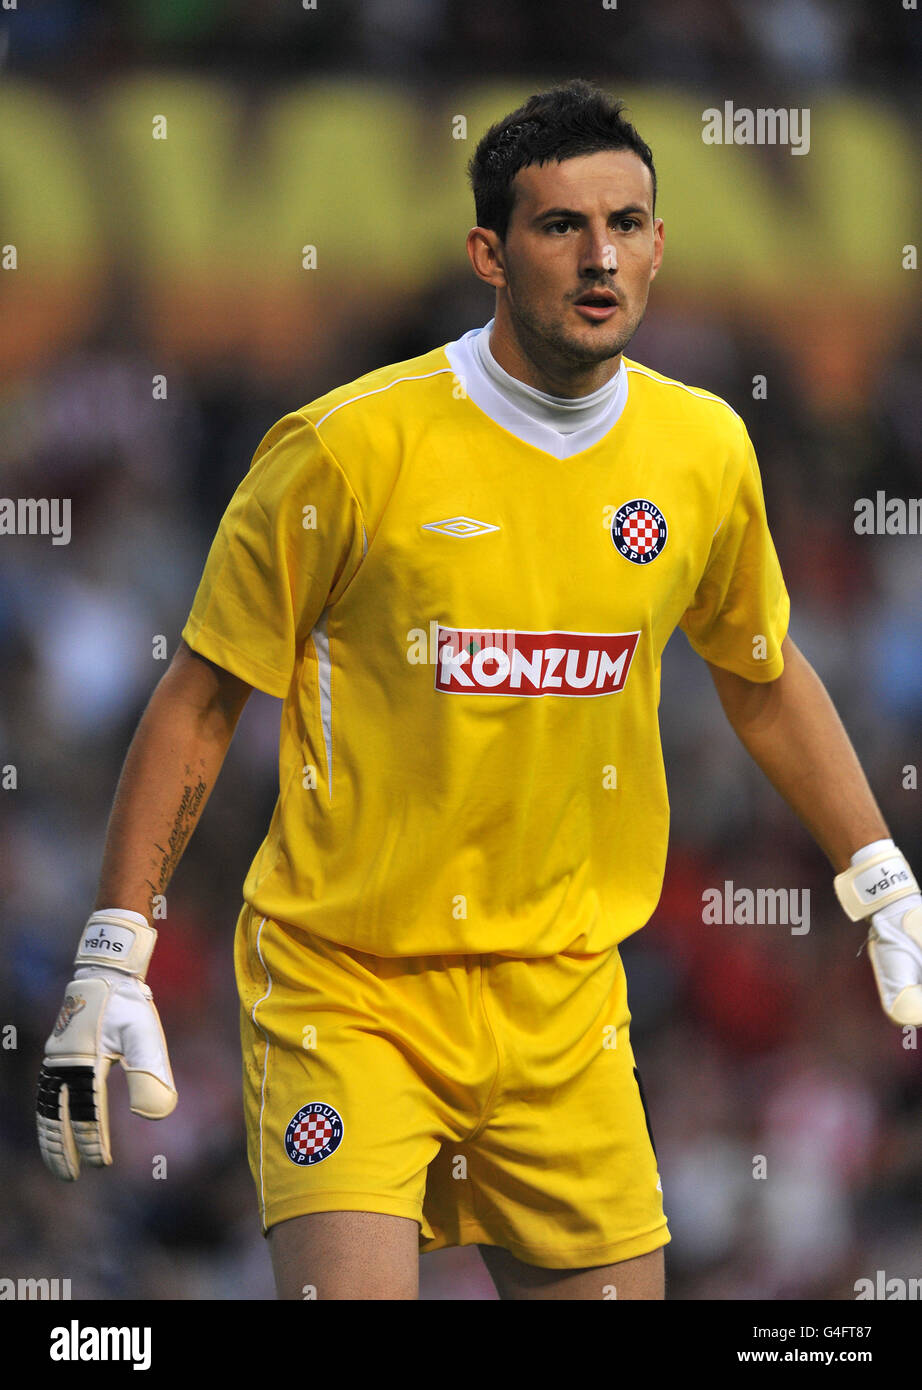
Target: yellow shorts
(492,1099)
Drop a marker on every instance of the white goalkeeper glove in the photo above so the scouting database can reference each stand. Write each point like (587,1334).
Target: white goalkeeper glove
(881,886)
(108,1015)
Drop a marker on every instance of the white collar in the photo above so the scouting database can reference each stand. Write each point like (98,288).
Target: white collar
(560,426)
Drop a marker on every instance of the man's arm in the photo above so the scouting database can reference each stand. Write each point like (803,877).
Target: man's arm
(108,1012)
(790,728)
(170,768)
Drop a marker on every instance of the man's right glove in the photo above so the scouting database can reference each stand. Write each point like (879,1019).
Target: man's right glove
(881,886)
(108,1015)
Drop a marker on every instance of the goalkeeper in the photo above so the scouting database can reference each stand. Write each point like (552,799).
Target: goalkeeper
(443,902)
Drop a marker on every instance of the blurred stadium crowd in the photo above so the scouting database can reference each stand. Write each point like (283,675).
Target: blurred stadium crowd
(752,1040)
(669,40)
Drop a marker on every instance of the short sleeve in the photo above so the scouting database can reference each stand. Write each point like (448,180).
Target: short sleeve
(291,540)
(740,612)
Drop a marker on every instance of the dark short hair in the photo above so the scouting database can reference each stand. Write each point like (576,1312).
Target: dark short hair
(572,119)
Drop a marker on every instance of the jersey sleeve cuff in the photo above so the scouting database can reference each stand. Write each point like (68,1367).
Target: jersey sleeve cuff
(215,648)
(762,672)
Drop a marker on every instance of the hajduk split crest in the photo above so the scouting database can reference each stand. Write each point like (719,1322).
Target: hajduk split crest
(639,531)
(313,1133)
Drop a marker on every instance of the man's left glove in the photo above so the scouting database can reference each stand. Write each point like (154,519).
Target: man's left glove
(108,1015)
(881,886)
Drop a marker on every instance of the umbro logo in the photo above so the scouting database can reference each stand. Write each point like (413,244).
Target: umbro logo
(459,526)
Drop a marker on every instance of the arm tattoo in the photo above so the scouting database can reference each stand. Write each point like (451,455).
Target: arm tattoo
(183,825)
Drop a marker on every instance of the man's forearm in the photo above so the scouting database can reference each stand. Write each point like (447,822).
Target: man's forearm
(792,731)
(171,767)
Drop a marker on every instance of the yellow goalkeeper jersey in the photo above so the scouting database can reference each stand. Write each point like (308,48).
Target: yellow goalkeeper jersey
(467,632)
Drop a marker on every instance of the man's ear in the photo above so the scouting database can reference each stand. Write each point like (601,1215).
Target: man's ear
(485,250)
(659,244)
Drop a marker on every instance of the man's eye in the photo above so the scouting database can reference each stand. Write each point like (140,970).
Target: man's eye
(628,224)
(551,225)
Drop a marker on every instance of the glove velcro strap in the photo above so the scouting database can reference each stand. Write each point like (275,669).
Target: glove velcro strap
(865,888)
(118,939)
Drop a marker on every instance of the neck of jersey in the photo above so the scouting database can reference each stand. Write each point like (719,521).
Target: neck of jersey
(560,425)
(567,414)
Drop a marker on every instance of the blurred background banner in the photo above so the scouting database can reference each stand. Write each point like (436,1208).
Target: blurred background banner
(196,203)
(212,212)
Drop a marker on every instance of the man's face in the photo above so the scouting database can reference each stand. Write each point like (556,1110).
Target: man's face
(583,225)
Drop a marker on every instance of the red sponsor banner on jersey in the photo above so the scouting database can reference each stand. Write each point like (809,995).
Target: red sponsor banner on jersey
(510,662)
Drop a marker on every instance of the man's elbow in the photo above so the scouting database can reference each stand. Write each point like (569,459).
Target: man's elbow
(195,681)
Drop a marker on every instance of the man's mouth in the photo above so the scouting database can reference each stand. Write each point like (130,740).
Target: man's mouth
(597,305)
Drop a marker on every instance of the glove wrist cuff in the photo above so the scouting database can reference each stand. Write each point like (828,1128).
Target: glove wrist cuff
(865,888)
(118,939)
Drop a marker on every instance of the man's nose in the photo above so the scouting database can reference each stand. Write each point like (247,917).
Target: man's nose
(601,255)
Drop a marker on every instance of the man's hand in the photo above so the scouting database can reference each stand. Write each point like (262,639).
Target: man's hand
(881,878)
(108,1015)
(895,948)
